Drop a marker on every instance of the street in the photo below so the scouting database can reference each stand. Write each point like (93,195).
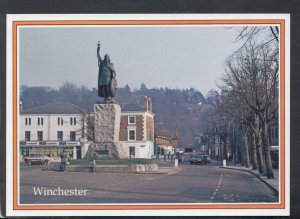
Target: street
(191,184)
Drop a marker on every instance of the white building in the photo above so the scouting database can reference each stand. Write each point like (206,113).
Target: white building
(52,128)
(58,126)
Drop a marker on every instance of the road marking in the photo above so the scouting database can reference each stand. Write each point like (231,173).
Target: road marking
(217,189)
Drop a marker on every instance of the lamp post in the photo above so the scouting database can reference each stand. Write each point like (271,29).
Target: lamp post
(156,147)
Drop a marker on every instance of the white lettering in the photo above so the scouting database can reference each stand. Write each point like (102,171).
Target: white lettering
(37,190)
(59,191)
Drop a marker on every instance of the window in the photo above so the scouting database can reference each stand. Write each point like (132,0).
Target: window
(131,134)
(40,135)
(60,121)
(131,151)
(217,139)
(72,136)
(39,121)
(42,121)
(26,121)
(131,119)
(73,120)
(29,121)
(27,135)
(60,136)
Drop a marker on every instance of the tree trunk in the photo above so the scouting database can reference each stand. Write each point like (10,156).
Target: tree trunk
(246,143)
(260,158)
(254,152)
(267,150)
(247,157)
(258,144)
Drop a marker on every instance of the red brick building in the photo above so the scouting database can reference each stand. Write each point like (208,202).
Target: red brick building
(166,141)
(137,129)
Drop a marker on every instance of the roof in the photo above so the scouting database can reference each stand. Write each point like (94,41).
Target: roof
(55,108)
(131,107)
(165,134)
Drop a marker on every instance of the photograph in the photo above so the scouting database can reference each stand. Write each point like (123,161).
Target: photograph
(149,113)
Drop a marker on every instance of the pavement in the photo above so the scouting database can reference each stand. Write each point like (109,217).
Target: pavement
(163,170)
(272,183)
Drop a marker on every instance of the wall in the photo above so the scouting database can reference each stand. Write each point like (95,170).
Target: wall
(50,126)
(138,126)
(149,127)
(143,149)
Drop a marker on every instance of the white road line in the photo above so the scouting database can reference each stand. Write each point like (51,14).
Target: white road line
(217,189)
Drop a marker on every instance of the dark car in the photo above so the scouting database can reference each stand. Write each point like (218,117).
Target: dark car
(198,159)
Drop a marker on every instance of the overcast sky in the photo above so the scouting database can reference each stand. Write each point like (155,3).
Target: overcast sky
(174,57)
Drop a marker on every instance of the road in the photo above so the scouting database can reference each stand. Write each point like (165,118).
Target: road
(192,184)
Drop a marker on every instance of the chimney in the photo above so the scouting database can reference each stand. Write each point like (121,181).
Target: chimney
(150,104)
(21,106)
(146,104)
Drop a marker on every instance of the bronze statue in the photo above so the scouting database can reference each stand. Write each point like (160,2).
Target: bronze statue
(107,77)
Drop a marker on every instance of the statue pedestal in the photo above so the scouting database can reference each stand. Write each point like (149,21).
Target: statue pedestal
(107,122)
(106,132)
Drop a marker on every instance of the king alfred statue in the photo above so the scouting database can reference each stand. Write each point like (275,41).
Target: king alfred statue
(106,77)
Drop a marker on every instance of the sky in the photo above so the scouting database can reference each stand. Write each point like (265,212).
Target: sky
(169,56)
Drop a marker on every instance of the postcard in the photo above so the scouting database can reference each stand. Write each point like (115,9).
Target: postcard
(169,114)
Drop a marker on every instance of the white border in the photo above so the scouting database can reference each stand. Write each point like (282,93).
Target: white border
(168,212)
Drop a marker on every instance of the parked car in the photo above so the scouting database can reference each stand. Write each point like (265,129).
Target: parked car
(37,159)
(198,159)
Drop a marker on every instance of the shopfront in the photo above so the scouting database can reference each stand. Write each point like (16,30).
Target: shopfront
(53,150)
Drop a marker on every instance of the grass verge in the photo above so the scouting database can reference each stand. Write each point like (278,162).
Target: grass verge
(105,161)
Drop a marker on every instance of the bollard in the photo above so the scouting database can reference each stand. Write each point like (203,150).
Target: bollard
(94,165)
(224,163)
(176,163)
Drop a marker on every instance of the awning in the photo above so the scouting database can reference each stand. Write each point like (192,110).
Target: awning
(165,147)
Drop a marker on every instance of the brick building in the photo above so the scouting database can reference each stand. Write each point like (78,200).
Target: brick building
(137,129)
(165,141)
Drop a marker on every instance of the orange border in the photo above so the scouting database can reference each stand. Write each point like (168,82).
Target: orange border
(281,204)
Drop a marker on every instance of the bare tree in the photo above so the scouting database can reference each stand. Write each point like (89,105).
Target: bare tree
(252,75)
(265,35)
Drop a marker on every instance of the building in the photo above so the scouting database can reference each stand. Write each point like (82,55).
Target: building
(58,126)
(51,128)
(166,141)
(137,129)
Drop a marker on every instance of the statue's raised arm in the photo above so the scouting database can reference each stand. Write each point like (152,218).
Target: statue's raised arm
(98,53)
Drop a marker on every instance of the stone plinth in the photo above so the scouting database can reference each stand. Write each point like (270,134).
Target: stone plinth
(106,132)
(107,122)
